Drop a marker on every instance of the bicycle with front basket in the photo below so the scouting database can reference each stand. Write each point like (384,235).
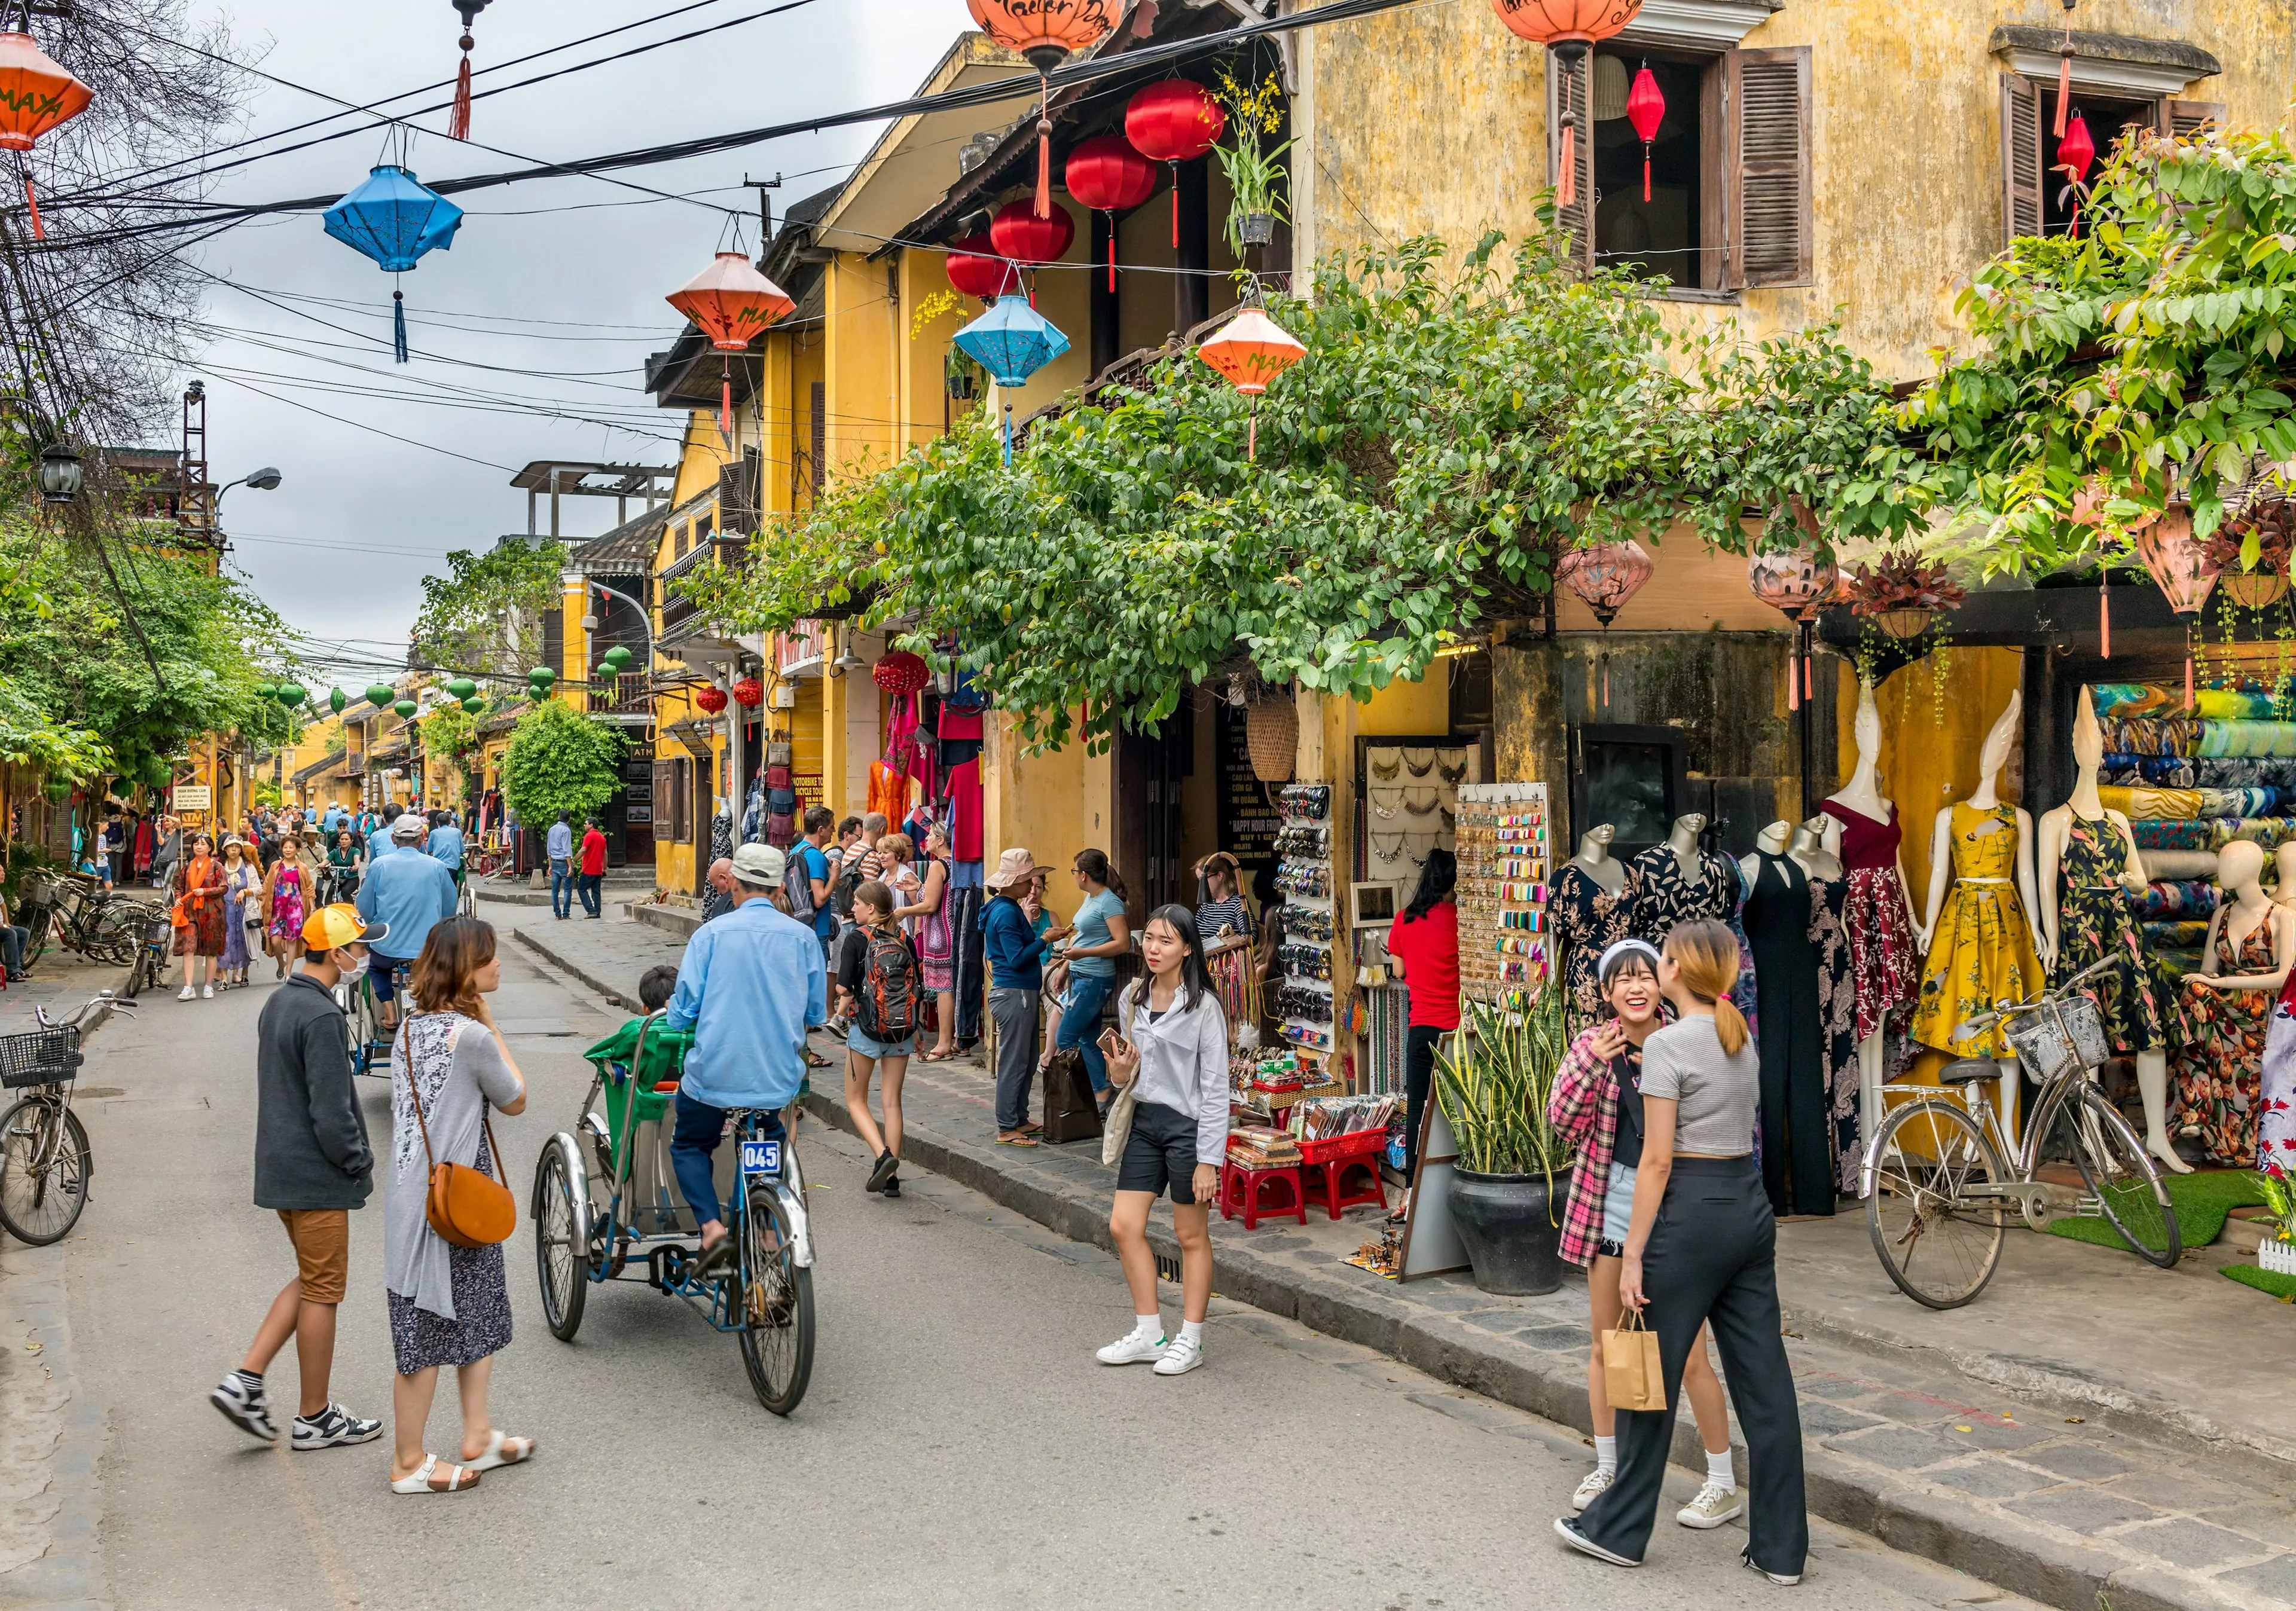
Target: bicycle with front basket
(46,1162)
(1937,1188)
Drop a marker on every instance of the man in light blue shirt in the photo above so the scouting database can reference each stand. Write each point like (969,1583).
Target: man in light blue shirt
(752,983)
(446,845)
(409,892)
(334,818)
(559,848)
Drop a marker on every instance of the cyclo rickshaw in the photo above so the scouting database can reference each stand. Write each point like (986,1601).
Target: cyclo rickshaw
(607,1207)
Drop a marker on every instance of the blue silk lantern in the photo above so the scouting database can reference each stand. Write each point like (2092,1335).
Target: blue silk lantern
(1012,341)
(394,219)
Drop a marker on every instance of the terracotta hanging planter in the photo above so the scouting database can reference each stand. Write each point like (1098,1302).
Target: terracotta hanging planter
(2253,589)
(1904,624)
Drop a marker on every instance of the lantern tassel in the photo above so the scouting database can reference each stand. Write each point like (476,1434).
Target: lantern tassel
(1111,251)
(1008,436)
(1567,194)
(1045,150)
(2064,81)
(726,402)
(399,326)
(1646,193)
(458,120)
(1251,431)
(2188,679)
(1175,204)
(40,229)
(2104,613)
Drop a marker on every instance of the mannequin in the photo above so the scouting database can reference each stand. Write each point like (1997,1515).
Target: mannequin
(1885,946)
(2283,864)
(1816,848)
(1678,879)
(1810,848)
(1591,905)
(1799,1169)
(2228,1003)
(1982,946)
(2089,870)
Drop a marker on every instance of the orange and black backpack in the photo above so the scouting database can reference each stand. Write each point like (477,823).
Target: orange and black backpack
(889,986)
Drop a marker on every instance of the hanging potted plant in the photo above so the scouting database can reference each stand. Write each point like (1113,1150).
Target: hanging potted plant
(1507,1188)
(1255,178)
(963,373)
(1901,595)
(2249,552)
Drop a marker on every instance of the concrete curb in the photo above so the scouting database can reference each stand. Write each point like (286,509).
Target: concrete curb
(627,1002)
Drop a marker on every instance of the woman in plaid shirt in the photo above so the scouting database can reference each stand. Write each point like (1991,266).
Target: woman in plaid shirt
(1597,1106)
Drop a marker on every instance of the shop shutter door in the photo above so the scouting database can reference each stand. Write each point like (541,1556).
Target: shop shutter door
(2021,158)
(1576,221)
(2182,118)
(1767,96)
(664,825)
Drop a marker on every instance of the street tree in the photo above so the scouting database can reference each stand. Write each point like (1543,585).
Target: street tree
(485,613)
(560,760)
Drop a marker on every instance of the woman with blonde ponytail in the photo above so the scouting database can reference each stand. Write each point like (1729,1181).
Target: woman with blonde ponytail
(1701,1250)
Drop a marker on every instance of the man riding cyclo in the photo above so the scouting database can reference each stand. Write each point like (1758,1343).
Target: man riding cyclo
(445,844)
(408,892)
(752,983)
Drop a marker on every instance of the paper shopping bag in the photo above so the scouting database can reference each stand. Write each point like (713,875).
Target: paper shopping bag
(1632,1376)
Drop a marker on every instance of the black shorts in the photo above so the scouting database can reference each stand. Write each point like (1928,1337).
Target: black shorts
(1160,1152)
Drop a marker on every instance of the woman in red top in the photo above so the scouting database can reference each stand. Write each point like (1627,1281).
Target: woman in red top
(1424,938)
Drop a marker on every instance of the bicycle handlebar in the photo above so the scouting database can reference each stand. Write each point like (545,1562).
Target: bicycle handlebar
(1982,1022)
(101,998)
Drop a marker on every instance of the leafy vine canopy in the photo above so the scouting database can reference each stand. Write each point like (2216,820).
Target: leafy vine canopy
(1449,433)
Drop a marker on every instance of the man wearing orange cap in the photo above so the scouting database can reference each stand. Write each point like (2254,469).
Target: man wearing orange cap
(313,1164)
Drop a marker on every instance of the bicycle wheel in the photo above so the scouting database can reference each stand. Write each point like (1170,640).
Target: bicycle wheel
(44,1169)
(466,904)
(1937,1231)
(38,923)
(777,1300)
(2123,1178)
(561,1258)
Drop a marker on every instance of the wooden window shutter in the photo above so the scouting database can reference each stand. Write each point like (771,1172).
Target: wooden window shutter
(818,398)
(1766,97)
(1577,220)
(662,773)
(2022,174)
(2182,118)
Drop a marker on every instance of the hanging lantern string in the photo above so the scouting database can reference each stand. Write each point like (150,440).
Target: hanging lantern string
(458,120)
(2065,72)
(398,353)
(1175,166)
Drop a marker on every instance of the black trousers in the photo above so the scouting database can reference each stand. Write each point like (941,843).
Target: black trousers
(971,984)
(1712,1260)
(1418,1082)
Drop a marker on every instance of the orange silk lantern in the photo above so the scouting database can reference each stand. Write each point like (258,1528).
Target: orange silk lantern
(1106,173)
(1605,575)
(1172,122)
(2177,564)
(1799,585)
(1645,110)
(36,95)
(1252,349)
(1568,27)
(732,303)
(1047,32)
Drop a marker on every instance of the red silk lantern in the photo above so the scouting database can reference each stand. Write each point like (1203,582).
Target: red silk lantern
(975,268)
(2075,152)
(36,95)
(1020,236)
(1645,110)
(1568,27)
(1106,173)
(749,693)
(1252,349)
(1604,577)
(732,303)
(711,700)
(1047,32)
(901,672)
(1173,122)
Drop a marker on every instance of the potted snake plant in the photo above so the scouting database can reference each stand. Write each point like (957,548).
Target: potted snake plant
(1508,1185)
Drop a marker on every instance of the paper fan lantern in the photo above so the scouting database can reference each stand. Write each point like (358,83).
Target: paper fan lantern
(732,303)
(1604,577)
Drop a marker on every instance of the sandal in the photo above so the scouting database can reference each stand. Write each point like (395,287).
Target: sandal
(935,1057)
(424,1478)
(1016,1138)
(502,1451)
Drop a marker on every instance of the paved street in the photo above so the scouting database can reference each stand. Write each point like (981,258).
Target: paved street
(959,1446)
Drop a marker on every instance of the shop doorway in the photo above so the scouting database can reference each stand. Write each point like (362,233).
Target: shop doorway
(1151,773)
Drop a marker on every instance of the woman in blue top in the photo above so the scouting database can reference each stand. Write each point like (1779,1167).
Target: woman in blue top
(1101,933)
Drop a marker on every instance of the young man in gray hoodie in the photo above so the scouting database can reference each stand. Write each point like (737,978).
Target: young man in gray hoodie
(314,1165)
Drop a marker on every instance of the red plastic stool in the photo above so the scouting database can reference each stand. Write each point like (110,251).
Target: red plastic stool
(1247,1188)
(1346,1183)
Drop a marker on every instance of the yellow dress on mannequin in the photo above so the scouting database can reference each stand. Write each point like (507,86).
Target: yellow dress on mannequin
(1981,951)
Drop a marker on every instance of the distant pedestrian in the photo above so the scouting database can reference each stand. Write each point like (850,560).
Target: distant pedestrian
(242,884)
(166,850)
(1713,1262)
(313,1165)
(811,876)
(558,845)
(1015,953)
(449,1305)
(927,919)
(198,913)
(594,869)
(287,896)
(878,992)
(1175,1044)
(1100,933)
(719,900)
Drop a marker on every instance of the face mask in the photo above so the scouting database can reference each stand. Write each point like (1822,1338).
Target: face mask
(357,971)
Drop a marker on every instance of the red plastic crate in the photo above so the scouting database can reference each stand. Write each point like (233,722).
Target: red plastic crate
(1355,1143)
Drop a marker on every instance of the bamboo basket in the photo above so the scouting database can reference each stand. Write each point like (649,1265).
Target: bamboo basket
(1271,730)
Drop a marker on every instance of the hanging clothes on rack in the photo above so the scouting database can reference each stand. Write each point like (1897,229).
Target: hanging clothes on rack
(1796,1113)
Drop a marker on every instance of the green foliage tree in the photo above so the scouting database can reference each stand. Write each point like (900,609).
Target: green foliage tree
(484,614)
(560,760)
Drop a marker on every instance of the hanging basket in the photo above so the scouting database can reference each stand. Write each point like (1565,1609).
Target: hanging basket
(1271,732)
(2253,589)
(1903,624)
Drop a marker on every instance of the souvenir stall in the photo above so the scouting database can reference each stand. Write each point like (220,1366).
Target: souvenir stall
(1407,804)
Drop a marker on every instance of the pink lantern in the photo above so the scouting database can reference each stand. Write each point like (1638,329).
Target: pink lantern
(1604,576)
(1797,583)
(2179,564)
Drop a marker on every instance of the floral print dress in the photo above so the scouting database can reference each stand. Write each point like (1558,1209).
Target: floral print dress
(1837,1017)
(2096,921)
(2220,1068)
(1588,920)
(289,901)
(1981,951)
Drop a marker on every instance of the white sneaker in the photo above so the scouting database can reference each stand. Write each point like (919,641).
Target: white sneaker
(1132,1349)
(1180,1356)
(1714,1505)
(207,992)
(187,994)
(1591,1486)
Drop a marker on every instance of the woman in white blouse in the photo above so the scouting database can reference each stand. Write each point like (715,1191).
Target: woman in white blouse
(1175,1046)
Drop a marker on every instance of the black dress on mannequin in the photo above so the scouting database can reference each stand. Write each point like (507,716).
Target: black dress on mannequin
(1797,1122)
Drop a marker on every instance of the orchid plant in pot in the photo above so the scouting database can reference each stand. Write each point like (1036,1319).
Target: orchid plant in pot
(1255,178)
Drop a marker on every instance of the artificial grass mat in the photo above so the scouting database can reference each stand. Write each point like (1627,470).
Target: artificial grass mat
(2282,1286)
(2204,1199)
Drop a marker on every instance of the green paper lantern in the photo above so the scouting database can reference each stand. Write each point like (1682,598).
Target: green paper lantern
(122,787)
(158,773)
(378,694)
(265,693)
(615,658)
(60,789)
(407,708)
(542,674)
(290,695)
(462,688)
(336,699)
(474,705)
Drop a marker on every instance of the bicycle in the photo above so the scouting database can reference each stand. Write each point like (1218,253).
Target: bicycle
(46,1161)
(76,911)
(151,951)
(369,1043)
(1937,1192)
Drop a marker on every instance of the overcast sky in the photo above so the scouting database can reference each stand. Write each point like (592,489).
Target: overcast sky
(342,545)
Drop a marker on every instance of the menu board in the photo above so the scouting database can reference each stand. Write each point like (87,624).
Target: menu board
(1248,818)
(1503,850)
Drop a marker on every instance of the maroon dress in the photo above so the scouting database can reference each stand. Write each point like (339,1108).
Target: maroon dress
(1882,956)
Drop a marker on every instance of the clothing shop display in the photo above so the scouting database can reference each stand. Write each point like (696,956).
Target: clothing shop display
(2178,898)
(889,791)
(1981,951)
(966,810)
(2097,919)
(1587,920)
(1885,960)
(1663,897)
(2218,1067)
(1837,1012)
(2246,739)
(2275,1103)
(1796,1111)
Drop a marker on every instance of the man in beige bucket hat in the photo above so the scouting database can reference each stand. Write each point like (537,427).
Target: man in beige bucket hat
(1015,953)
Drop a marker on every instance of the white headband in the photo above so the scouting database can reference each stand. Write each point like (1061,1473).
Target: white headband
(1618,952)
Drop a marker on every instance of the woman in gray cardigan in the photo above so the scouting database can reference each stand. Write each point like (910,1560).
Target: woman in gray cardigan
(1174,1055)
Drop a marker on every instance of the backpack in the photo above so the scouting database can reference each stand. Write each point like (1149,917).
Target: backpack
(888,986)
(797,884)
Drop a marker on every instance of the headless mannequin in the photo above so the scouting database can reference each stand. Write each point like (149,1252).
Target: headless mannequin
(2088,754)
(2284,861)
(1862,794)
(1682,839)
(1991,760)
(1774,840)
(2240,871)
(1819,853)
(1595,861)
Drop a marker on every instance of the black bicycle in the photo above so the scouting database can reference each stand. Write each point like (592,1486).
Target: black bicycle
(74,911)
(46,1161)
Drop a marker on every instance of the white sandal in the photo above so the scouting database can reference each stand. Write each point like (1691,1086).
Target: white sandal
(502,1451)
(422,1480)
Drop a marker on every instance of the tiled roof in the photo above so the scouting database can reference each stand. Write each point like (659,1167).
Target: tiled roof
(627,550)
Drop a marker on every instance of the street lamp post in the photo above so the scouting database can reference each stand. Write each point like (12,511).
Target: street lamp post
(575,578)
(262,480)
